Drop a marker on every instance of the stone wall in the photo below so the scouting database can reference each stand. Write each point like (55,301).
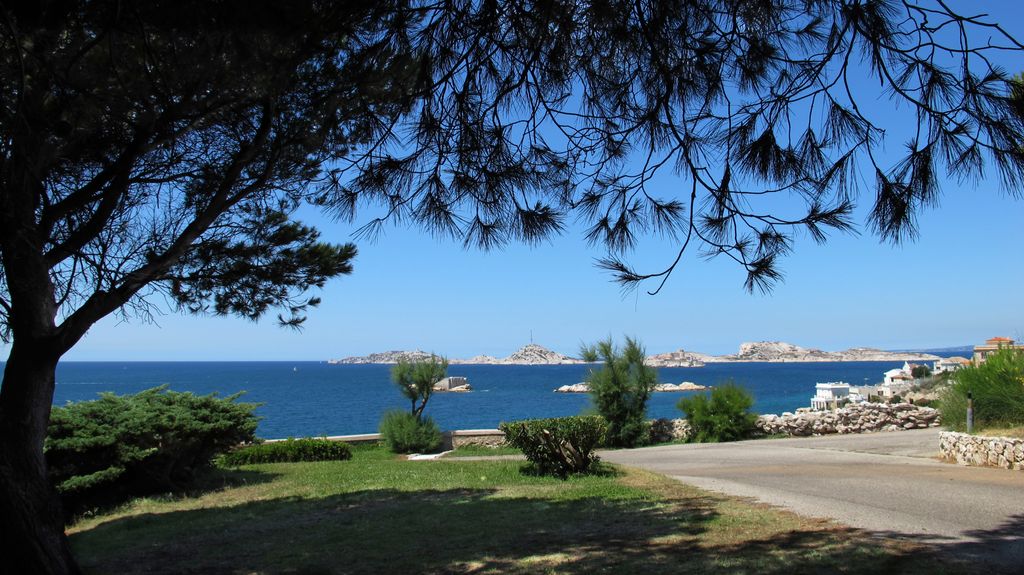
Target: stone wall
(1005,452)
(665,430)
(483,437)
(858,418)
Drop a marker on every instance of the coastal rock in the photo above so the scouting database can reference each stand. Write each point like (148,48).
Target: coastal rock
(583,387)
(684,386)
(454,384)
(574,388)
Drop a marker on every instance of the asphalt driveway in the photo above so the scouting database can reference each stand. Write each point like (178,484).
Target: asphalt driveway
(889,483)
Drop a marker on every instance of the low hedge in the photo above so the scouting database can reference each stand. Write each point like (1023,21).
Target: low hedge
(560,446)
(288,451)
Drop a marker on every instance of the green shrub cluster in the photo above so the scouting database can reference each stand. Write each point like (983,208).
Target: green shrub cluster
(403,432)
(725,416)
(560,446)
(290,450)
(102,451)
(620,390)
(997,387)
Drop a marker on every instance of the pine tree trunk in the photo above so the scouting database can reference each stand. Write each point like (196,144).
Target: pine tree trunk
(31,521)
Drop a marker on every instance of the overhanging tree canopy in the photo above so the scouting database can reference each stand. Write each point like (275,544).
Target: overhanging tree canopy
(541,111)
(162,148)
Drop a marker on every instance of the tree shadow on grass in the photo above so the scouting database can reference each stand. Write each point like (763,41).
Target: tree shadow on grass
(483,531)
(379,531)
(207,481)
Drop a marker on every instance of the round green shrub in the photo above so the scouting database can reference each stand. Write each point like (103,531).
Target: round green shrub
(725,416)
(559,446)
(288,451)
(403,432)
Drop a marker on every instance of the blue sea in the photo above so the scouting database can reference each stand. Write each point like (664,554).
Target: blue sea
(314,398)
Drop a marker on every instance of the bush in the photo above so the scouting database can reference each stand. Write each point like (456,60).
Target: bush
(620,390)
(103,451)
(405,433)
(560,446)
(288,451)
(998,390)
(725,416)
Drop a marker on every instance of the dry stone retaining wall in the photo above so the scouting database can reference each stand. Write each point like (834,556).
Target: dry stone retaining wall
(856,418)
(965,449)
(481,437)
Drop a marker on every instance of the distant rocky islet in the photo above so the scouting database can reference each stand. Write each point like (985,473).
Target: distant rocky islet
(584,387)
(762,351)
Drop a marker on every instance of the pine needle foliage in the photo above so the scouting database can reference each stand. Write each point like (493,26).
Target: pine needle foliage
(104,450)
(620,390)
(724,416)
(997,387)
(404,432)
(416,379)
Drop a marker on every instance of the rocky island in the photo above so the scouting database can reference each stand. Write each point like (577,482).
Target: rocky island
(780,351)
(531,354)
(679,358)
(766,351)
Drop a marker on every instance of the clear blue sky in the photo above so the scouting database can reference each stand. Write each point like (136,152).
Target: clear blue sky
(958,284)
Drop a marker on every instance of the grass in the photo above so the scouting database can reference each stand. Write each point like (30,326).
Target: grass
(377,513)
(1017,432)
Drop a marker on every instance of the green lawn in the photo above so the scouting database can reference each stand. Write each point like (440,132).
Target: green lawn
(483,451)
(377,514)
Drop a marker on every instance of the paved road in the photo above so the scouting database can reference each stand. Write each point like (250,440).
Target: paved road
(889,483)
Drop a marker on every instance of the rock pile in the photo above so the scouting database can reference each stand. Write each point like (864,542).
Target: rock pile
(665,430)
(857,418)
(965,449)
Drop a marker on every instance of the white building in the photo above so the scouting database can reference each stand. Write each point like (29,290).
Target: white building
(899,376)
(950,364)
(830,395)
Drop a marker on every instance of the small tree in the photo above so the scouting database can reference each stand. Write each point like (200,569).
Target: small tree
(620,390)
(920,372)
(416,379)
